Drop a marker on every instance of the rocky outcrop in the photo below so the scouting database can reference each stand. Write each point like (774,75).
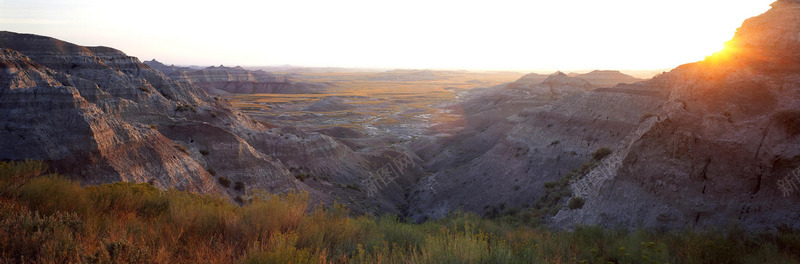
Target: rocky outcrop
(100,116)
(724,148)
(225,80)
(607,78)
(529,80)
(516,139)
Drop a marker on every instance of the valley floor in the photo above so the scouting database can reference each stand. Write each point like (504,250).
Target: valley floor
(45,218)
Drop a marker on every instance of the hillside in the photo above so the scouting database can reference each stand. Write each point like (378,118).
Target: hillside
(600,78)
(236,80)
(100,116)
(723,149)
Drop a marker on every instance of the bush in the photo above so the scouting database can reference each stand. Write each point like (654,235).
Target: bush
(137,223)
(238,186)
(224,181)
(212,171)
(575,203)
(601,153)
(204,152)
(183,108)
(302,177)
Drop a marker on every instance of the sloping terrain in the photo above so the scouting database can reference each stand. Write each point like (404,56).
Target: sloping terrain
(600,78)
(101,116)
(237,80)
(516,139)
(724,148)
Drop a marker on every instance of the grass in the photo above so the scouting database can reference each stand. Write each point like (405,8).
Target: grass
(45,218)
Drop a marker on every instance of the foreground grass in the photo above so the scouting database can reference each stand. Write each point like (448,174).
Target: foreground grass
(48,219)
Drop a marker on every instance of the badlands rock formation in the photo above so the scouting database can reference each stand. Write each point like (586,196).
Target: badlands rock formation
(101,116)
(516,139)
(225,80)
(606,78)
(329,104)
(724,148)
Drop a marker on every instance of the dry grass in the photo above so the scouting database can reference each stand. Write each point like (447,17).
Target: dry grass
(47,219)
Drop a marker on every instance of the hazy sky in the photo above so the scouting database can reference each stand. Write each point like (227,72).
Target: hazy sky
(498,34)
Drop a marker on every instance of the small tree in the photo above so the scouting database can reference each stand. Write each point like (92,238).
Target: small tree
(601,153)
(238,186)
(575,203)
(224,181)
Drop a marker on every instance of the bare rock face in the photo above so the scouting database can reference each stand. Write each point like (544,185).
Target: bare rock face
(101,116)
(607,78)
(724,148)
(528,80)
(515,140)
(225,80)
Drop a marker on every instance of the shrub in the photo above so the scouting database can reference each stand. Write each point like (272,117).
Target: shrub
(186,107)
(224,181)
(238,186)
(14,175)
(212,171)
(302,177)
(137,223)
(204,152)
(601,153)
(555,142)
(575,203)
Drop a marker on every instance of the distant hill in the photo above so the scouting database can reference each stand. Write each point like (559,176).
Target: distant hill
(606,78)
(237,80)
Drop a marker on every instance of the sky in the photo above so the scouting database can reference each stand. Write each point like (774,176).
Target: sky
(431,34)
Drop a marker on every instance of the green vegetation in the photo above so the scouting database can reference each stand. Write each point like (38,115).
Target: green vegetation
(45,218)
(224,181)
(186,107)
(302,176)
(238,186)
(575,203)
(557,195)
(601,153)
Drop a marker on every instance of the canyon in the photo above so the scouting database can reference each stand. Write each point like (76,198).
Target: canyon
(707,144)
